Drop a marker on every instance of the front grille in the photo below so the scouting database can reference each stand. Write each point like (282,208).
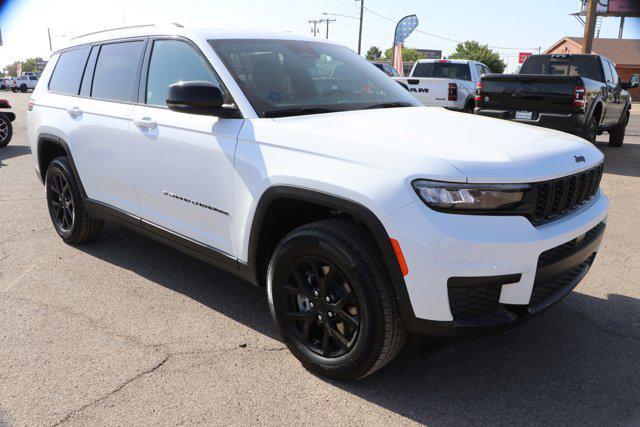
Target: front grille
(559,252)
(545,290)
(473,301)
(560,196)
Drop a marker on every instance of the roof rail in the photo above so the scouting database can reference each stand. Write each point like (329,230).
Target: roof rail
(122,28)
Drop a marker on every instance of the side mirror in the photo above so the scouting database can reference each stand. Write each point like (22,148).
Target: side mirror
(634,81)
(198,97)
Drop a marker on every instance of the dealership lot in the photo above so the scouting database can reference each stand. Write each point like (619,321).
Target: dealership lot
(125,330)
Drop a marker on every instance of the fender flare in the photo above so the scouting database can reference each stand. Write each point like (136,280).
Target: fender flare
(50,138)
(597,101)
(354,209)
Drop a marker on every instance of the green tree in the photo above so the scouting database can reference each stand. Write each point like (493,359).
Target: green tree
(11,69)
(475,51)
(408,54)
(29,65)
(374,53)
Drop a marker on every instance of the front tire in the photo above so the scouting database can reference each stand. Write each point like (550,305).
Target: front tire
(616,135)
(6,130)
(66,207)
(332,302)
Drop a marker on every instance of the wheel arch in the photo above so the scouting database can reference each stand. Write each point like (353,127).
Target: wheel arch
(51,146)
(337,206)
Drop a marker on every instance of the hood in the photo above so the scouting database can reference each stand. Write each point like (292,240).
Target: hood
(484,150)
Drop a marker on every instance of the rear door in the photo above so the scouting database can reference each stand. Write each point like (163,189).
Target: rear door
(97,123)
(183,163)
(618,102)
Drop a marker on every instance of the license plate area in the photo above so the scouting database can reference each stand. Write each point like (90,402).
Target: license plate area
(524,115)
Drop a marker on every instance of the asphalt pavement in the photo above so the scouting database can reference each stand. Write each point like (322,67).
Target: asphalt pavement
(124,330)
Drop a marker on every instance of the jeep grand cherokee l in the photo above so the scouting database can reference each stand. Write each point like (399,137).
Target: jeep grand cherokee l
(363,226)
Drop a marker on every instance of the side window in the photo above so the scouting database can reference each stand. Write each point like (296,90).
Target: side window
(68,72)
(607,72)
(486,70)
(480,70)
(175,61)
(115,75)
(614,75)
(85,86)
(33,78)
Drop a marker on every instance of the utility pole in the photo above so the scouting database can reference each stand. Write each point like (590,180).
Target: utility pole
(360,33)
(327,21)
(315,23)
(49,34)
(621,30)
(590,26)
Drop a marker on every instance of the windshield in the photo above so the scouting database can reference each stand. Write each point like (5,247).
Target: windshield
(583,66)
(290,77)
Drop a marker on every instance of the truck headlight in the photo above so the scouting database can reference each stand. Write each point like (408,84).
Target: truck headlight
(451,196)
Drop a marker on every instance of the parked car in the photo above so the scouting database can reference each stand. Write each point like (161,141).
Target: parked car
(579,94)
(3,83)
(445,83)
(366,215)
(25,82)
(386,68)
(6,129)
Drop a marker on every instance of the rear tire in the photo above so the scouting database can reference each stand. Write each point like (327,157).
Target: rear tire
(590,131)
(332,301)
(66,206)
(23,88)
(6,130)
(471,105)
(616,135)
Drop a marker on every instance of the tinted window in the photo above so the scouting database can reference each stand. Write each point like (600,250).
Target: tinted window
(116,71)
(480,70)
(614,74)
(171,62)
(563,65)
(443,70)
(607,72)
(68,72)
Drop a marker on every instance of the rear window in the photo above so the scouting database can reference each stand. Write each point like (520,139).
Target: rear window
(68,72)
(442,70)
(582,66)
(116,71)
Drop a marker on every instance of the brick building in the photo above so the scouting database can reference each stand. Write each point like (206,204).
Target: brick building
(625,53)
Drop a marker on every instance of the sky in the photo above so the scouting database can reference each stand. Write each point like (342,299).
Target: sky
(511,26)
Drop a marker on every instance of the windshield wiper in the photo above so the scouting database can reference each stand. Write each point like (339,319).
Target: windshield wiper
(299,111)
(389,105)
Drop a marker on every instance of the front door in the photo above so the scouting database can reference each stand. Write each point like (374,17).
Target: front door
(183,163)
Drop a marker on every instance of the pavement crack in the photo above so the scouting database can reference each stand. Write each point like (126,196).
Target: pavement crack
(115,390)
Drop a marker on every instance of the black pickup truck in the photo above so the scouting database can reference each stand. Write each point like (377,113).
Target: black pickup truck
(579,94)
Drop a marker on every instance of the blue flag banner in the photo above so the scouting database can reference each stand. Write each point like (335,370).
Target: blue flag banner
(405,27)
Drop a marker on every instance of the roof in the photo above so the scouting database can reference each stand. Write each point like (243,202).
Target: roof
(179,30)
(623,52)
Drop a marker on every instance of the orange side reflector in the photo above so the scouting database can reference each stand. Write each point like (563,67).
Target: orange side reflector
(401,261)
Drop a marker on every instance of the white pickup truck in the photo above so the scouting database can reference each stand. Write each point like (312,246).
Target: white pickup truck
(448,83)
(24,82)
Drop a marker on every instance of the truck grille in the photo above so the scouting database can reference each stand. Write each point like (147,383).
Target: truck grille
(560,196)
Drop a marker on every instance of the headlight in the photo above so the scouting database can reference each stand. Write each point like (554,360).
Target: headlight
(472,197)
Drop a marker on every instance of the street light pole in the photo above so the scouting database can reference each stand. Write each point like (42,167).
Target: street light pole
(49,34)
(360,33)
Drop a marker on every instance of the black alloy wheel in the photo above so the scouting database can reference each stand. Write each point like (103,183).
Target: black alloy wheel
(322,308)
(61,204)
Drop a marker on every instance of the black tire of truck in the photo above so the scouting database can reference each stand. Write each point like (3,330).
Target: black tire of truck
(6,130)
(590,130)
(616,134)
(23,88)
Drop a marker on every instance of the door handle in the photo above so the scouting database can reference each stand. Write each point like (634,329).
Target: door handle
(74,112)
(145,123)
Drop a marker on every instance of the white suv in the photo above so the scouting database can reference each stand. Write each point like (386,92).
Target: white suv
(366,215)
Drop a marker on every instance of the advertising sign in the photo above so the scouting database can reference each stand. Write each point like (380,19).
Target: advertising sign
(522,56)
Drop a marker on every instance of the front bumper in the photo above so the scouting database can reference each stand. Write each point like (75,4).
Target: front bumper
(566,122)
(470,274)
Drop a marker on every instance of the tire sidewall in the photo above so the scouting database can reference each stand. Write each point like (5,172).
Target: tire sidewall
(6,120)
(60,165)
(363,355)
